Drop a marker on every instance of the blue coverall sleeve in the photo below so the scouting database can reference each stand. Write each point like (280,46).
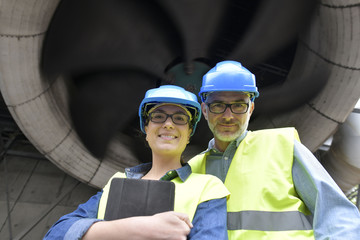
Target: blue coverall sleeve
(334,216)
(210,221)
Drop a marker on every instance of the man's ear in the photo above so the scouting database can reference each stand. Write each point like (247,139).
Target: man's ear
(204,110)
(251,108)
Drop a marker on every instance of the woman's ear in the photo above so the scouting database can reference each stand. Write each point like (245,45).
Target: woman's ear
(145,129)
(189,136)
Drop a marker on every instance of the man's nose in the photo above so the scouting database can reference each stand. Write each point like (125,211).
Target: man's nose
(227,114)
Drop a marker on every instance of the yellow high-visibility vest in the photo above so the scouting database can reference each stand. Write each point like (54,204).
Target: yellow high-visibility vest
(196,189)
(263,202)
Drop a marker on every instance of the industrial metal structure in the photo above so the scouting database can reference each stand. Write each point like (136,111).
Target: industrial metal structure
(73,73)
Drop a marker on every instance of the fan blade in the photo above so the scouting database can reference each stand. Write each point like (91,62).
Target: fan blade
(276,24)
(103,102)
(87,35)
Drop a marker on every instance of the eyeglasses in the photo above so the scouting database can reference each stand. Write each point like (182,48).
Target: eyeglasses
(161,117)
(219,107)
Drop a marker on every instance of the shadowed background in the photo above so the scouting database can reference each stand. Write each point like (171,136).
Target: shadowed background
(73,73)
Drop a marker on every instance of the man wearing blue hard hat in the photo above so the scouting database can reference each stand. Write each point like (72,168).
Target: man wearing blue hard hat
(278,188)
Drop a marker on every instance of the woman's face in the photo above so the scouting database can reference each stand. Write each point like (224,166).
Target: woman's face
(168,138)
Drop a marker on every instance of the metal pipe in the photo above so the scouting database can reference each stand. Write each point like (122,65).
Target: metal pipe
(342,161)
(358,197)
(5,147)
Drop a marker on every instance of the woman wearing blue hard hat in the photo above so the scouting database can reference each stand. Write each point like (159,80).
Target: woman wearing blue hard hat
(168,116)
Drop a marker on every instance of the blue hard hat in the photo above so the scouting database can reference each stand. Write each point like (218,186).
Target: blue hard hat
(170,94)
(228,76)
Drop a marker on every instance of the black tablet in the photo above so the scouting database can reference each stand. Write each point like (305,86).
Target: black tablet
(137,197)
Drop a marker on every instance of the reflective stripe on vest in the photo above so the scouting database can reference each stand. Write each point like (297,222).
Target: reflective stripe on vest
(196,189)
(269,221)
(263,199)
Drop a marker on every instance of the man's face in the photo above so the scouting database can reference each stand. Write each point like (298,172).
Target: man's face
(227,126)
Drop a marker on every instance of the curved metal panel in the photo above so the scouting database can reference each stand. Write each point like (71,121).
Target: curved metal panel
(328,51)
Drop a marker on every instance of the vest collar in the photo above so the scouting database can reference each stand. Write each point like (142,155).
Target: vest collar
(211,145)
(140,170)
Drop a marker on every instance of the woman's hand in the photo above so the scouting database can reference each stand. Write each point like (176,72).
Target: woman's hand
(167,225)
(171,225)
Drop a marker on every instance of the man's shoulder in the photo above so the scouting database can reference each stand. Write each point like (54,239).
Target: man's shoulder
(290,132)
(273,130)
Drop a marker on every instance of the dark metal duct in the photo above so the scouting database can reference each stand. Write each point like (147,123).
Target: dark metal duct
(74,72)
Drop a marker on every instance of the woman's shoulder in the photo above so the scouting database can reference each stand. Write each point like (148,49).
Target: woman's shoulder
(118,175)
(205,177)
(209,183)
